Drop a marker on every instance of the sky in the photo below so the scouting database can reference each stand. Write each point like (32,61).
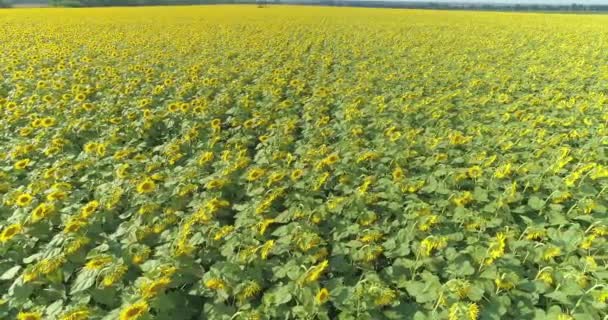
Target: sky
(529,1)
(555,2)
(558,2)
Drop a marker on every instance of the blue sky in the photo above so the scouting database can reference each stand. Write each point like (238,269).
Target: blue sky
(514,1)
(557,2)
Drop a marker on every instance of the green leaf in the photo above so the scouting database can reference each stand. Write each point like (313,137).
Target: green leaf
(85,280)
(536,203)
(560,297)
(54,308)
(10,273)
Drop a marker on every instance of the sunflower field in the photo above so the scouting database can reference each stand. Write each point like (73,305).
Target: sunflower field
(235,162)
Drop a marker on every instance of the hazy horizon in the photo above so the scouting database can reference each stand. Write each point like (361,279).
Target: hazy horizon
(525,2)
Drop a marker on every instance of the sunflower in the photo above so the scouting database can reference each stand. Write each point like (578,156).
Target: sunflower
(89,209)
(134,311)
(80,97)
(322,296)
(25,131)
(22,164)
(216,124)
(74,226)
(48,122)
(205,158)
(254,174)
(249,290)
(474,172)
(79,314)
(98,262)
(29,316)
(215,284)
(42,211)
(297,174)
(153,288)
(91,147)
(146,186)
(173,107)
(9,232)
(37,123)
(114,275)
(56,195)
(23,199)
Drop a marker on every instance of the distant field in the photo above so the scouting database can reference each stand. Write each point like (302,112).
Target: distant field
(30,5)
(235,162)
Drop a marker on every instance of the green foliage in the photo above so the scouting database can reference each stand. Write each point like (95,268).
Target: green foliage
(226,162)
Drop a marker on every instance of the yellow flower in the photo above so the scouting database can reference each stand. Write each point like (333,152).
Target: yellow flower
(76,244)
(503,283)
(602,296)
(386,297)
(398,174)
(265,224)
(251,289)
(73,226)
(215,284)
(98,262)
(22,164)
(432,243)
(91,147)
(215,184)
(297,174)
(80,97)
(315,272)
(114,276)
(56,195)
(101,149)
(216,124)
(546,277)
(89,209)
(473,311)
(497,248)
(24,199)
(42,211)
(26,131)
(474,172)
(30,275)
(503,171)
(275,177)
(29,316)
(134,311)
(322,296)
(224,231)
(463,199)
(9,232)
(48,122)
(551,253)
(153,288)
(254,174)
(331,159)
(266,248)
(80,314)
(535,234)
(50,265)
(205,158)
(146,186)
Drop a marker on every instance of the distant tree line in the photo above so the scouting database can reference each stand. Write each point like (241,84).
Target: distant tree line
(111,3)
(350,3)
(470,6)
